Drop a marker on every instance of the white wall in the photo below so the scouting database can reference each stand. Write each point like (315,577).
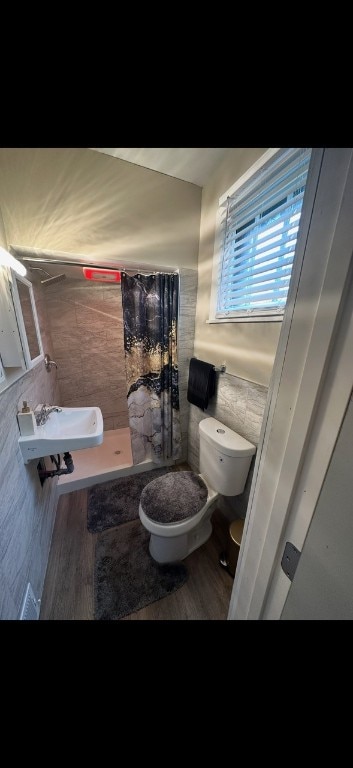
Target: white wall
(248,348)
(3,242)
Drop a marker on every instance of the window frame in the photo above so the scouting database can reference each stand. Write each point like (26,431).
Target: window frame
(252,316)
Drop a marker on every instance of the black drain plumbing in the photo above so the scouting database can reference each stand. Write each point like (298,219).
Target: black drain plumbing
(45,473)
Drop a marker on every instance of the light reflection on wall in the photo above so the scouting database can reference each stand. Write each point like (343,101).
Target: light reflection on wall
(77,200)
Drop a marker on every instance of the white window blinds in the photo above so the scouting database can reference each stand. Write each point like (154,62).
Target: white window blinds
(260,226)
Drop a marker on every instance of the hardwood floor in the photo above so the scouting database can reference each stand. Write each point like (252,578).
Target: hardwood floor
(68,589)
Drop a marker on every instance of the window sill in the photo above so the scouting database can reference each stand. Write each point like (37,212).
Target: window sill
(246,319)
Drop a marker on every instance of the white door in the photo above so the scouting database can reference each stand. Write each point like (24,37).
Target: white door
(309,391)
(322,587)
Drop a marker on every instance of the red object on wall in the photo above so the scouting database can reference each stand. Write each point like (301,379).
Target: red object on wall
(102,275)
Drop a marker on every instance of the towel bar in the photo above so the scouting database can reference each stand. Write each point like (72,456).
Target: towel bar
(220,368)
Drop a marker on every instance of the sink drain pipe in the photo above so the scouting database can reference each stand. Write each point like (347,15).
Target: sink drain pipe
(44,473)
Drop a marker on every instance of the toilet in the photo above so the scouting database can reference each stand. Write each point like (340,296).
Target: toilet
(176,508)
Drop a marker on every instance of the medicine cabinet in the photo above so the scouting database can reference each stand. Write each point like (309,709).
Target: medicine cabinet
(20,340)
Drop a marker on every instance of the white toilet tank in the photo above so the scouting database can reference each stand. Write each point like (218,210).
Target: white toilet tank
(225,457)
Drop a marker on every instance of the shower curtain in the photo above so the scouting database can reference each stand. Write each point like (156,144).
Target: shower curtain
(150,312)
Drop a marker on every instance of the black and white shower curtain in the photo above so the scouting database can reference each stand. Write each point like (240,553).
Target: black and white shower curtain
(150,313)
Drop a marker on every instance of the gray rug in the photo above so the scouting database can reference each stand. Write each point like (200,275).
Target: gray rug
(117,501)
(126,578)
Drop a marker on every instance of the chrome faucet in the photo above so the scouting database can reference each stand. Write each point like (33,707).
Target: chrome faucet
(43,415)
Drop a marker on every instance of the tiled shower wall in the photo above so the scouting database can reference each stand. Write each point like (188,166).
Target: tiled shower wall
(86,322)
(88,345)
(240,405)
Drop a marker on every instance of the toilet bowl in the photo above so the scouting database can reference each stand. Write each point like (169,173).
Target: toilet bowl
(176,508)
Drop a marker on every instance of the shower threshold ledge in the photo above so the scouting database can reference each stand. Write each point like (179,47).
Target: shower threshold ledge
(108,461)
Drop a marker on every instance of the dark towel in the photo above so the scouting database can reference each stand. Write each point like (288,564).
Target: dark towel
(202,383)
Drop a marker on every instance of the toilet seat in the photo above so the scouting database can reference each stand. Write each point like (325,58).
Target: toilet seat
(174,497)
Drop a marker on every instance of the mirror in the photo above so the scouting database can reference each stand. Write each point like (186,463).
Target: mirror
(28,318)
(20,341)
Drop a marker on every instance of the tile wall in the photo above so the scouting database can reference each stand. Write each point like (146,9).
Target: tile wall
(88,345)
(240,405)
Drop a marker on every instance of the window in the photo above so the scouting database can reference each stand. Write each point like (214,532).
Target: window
(259,227)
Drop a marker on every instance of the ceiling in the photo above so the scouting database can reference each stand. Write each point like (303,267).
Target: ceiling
(193,164)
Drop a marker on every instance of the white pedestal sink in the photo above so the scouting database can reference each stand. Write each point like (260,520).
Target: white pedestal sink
(70,430)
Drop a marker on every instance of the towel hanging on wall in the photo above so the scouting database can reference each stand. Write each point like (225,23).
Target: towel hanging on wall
(202,383)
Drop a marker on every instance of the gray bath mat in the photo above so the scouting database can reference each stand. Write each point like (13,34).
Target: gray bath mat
(117,501)
(126,578)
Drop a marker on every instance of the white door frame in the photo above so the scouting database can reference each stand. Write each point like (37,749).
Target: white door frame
(300,388)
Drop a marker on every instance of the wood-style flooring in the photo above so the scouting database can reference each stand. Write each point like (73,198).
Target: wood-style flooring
(68,589)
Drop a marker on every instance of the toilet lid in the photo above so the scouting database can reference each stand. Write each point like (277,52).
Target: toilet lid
(174,497)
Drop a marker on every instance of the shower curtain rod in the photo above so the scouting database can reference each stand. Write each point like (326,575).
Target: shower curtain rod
(65,263)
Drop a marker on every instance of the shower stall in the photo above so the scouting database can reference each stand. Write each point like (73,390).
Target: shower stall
(87,331)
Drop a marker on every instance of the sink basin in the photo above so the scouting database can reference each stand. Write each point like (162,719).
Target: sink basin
(69,430)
